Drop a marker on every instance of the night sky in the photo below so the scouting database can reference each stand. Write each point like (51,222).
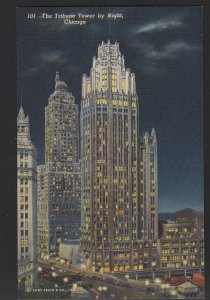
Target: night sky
(162,46)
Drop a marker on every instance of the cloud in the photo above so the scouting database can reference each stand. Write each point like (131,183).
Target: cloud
(161,25)
(52,56)
(31,71)
(171,50)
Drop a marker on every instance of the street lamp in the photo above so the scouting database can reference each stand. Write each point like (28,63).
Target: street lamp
(173,293)
(165,285)
(102,289)
(39,269)
(65,279)
(185,264)
(147,284)
(54,274)
(153,267)
(157,281)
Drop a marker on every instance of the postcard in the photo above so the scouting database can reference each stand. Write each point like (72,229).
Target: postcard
(110,197)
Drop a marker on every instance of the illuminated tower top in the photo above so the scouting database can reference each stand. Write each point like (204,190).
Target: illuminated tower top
(61,93)
(108,73)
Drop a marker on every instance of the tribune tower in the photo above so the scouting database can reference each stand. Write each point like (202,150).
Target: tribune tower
(109,156)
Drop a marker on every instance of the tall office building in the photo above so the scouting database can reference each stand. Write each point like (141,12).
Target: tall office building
(149,186)
(62,170)
(26,203)
(109,156)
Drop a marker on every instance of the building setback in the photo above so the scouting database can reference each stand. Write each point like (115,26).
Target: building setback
(62,171)
(149,186)
(26,204)
(110,159)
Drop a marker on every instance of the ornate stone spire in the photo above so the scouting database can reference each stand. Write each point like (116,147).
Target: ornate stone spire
(21,114)
(57,77)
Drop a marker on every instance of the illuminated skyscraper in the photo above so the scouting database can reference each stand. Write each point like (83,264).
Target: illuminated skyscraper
(26,203)
(149,186)
(62,171)
(110,159)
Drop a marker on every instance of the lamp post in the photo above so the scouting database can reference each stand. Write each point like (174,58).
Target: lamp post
(153,267)
(174,293)
(185,264)
(39,269)
(157,281)
(102,289)
(171,266)
(65,279)
(127,276)
(54,274)
(165,284)
(147,285)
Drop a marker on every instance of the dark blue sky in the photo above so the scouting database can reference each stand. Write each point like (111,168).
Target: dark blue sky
(162,46)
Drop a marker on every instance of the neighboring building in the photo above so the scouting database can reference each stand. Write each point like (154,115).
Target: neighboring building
(43,212)
(62,168)
(26,204)
(149,186)
(174,252)
(188,215)
(174,230)
(70,250)
(183,241)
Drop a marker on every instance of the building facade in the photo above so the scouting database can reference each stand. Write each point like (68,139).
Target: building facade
(149,186)
(62,169)
(43,212)
(26,204)
(181,245)
(110,159)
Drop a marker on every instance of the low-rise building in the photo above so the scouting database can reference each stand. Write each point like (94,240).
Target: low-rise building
(182,242)
(181,252)
(187,290)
